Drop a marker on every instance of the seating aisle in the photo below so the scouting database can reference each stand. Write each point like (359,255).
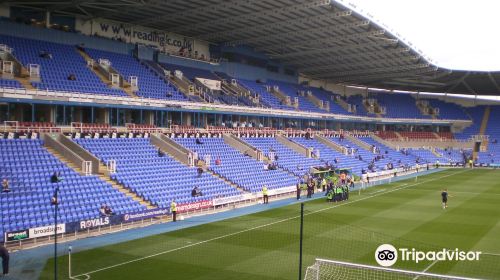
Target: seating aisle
(28,166)
(156,179)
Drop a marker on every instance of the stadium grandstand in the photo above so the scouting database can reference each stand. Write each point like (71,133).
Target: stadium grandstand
(143,139)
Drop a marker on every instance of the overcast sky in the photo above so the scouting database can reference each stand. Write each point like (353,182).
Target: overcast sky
(455,34)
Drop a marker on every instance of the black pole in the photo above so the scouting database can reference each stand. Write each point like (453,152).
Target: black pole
(301,237)
(56,208)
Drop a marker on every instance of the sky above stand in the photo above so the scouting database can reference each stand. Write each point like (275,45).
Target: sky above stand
(453,34)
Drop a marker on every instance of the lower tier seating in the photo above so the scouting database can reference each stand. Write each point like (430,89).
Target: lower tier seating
(28,166)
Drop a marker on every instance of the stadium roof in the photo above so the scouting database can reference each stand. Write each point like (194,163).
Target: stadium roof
(322,39)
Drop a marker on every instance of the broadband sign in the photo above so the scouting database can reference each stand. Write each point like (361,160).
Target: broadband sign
(46,231)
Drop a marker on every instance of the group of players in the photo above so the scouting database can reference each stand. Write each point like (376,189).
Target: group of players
(336,189)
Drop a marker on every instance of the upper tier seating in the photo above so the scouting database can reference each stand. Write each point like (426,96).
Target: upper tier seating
(28,166)
(150,85)
(327,96)
(267,98)
(288,159)
(399,105)
(54,71)
(157,179)
(190,72)
(243,170)
(292,91)
(358,101)
(448,111)
(476,114)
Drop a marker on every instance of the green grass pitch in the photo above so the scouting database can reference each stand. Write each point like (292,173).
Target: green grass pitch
(265,245)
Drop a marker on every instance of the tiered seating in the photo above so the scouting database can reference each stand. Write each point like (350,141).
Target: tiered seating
(28,167)
(92,127)
(493,131)
(243,170)
(358,101)
(398,157)
(156,179)
(453,155)
(139,128)
(448,111)
(326,96)
(387,135)
(476,114)
(10,83)
(399,105)
(292,91)
(190,72)
(288,159)
(414,135)
(36,124)
(150,85)
(329,155)
(268,99)
(54,71)
(425,156)
(445,135)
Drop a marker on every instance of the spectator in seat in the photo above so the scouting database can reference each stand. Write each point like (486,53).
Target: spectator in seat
(218,161)
(196,192)
(102,210)
(5,186)
(45,54)
(200,171)
(107,210)
(72,77)
(160,153)
(266,166)
(56,177)
(198,141)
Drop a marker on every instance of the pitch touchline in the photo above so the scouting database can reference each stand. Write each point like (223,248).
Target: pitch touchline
(452,192)
(87,274)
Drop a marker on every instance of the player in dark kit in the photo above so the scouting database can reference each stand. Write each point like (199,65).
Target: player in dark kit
(444,198)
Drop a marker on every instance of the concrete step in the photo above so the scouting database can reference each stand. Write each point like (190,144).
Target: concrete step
(64,160)
(126,191)
(126,86)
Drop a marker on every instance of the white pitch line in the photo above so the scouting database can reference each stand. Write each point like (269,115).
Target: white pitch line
(452,192)
(491,254)
(426,269)
(257,227)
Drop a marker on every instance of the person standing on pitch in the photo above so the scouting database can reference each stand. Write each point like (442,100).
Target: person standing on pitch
(264,195)
(298,190)
(4,254)
(444,198)
(173,210)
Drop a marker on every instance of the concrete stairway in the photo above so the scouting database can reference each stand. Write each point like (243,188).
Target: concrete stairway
(293,145)
(70,157)
(330,144)
(126,86)
(358,142)
(105,177)
(484,122)
(482,131)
